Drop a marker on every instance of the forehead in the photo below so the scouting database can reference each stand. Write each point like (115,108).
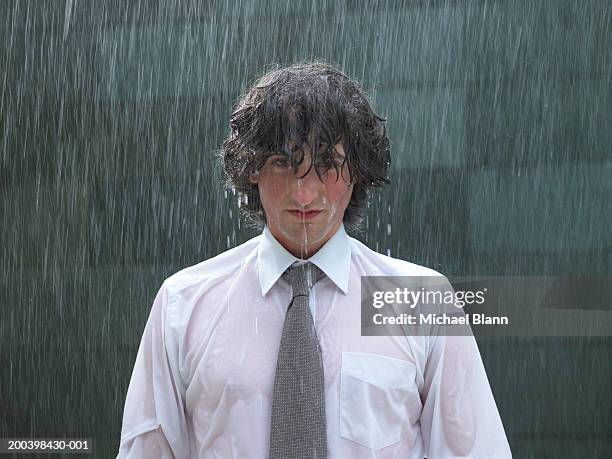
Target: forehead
(293,146)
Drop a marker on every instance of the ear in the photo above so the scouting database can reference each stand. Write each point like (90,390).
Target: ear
(254,178)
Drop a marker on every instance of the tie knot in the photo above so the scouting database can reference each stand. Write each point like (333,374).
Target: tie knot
(302,277)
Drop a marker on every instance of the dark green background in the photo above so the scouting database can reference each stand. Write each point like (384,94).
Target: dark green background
(500,118)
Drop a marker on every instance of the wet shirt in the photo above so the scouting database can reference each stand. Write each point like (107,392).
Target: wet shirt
(203,378)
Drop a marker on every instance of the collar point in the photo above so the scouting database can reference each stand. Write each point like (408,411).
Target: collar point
(342,286)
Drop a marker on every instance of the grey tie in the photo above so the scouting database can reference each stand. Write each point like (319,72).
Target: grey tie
(298,404)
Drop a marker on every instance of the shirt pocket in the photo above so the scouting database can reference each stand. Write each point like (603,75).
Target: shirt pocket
(373,394)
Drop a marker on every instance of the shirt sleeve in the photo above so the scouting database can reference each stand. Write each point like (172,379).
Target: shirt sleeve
(459,417)
(154,422)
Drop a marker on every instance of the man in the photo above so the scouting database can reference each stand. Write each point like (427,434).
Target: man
(258,352)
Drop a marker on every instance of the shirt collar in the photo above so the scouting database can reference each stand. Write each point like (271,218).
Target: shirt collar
(333,259)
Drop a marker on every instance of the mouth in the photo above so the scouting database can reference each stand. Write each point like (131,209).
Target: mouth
(306,214)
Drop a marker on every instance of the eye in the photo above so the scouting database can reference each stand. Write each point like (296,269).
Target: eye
(339,160)
(328,162)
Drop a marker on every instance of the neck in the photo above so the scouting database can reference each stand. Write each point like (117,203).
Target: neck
(303,251)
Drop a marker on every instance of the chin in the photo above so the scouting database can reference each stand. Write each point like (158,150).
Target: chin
(301,237)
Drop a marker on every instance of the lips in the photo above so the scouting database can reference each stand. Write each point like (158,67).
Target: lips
(305,215)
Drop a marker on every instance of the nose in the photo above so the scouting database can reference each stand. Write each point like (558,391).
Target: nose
(305,188)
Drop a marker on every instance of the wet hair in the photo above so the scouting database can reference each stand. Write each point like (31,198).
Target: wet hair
(312,104)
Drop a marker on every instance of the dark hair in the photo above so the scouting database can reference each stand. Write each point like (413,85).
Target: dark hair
(312,104)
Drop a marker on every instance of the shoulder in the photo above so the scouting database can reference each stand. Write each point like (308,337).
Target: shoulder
(211,271)
(375,264)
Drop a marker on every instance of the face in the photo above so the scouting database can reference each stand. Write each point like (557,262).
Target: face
(303,211)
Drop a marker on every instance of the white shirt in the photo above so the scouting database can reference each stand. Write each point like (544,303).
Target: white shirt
(203,378)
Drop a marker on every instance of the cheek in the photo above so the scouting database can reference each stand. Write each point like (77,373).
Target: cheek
(272,189)
(339,194)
